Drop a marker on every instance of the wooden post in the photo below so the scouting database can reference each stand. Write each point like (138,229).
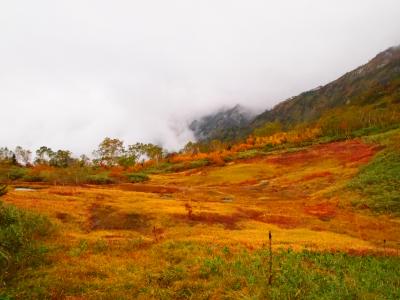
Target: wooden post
(270,258)
(384,247)
(155,234)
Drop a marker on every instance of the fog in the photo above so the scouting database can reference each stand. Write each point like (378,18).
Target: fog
(73,72)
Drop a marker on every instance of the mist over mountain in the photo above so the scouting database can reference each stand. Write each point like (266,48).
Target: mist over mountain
(375,84)
(74,72)
(224,124)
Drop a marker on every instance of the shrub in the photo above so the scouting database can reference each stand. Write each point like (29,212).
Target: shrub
(159,168)
(249,154)
(3,190)
(198,163)
(100,179)
(138,177)
(34,177)
(16,173)
(19,235)
(177,167)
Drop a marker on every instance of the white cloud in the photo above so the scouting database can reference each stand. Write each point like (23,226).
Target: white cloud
(73,72)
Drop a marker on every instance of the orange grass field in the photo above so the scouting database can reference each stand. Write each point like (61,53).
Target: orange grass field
(298,196)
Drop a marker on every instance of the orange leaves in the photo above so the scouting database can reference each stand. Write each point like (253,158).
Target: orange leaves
(250,140)
(117,172)
(242,147)
(216,159)
(178,158)
(250,144)
(217,156)
(293,136)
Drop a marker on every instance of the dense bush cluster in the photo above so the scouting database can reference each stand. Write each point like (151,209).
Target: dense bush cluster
(20,235)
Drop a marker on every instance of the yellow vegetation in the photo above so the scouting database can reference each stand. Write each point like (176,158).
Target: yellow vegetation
(293,195)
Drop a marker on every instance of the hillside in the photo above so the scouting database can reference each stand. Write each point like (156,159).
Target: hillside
(376,83)
(184,235)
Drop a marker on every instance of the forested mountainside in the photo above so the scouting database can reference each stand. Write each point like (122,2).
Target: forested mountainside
(372,87)
(376,83)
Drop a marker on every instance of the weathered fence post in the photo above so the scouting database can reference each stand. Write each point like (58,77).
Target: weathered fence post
(155,234)
(384,247)
(270,258)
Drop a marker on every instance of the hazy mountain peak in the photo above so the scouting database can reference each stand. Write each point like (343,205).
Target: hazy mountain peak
(226,123)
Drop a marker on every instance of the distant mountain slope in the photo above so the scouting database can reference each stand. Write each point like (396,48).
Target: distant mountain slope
(226,124)
(376,83)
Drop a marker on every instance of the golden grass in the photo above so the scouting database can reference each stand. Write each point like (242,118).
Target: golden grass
(233,205)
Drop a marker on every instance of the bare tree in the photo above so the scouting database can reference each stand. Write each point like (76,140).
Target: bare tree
(23,156)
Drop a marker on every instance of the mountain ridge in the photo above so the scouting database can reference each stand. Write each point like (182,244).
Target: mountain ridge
(375,83)
(226,123)
(347,89)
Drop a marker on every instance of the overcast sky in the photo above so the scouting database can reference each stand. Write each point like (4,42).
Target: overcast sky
(73,72)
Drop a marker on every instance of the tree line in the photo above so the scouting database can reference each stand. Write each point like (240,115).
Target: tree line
(113,162)
(110,152)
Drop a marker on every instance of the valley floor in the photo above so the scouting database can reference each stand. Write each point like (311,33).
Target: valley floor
(182,235)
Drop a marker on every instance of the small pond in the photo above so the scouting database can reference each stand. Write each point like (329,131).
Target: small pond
(24,189)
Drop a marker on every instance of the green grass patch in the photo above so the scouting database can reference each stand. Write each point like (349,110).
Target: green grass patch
(21,234)
(193,271)
(389,138)
(101,178)
(198,163)
(138,177)
(378,183)
(160,168)
(369,131)
(167,167)
(298,275)
(248,154)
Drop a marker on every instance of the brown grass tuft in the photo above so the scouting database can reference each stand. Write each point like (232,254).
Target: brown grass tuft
(108,218)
